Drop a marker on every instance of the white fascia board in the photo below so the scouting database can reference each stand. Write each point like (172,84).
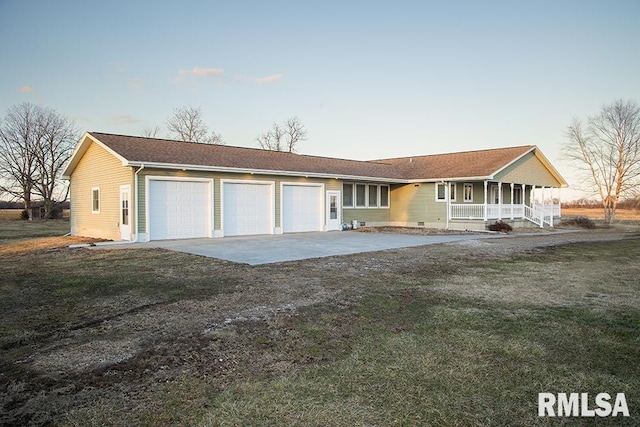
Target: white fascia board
(262,172)
(450,179)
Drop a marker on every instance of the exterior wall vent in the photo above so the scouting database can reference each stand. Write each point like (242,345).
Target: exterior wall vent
(420,223)
(362,223)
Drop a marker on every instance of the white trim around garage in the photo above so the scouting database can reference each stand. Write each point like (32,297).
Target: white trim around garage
(272,196)
(323,220)
(210,206)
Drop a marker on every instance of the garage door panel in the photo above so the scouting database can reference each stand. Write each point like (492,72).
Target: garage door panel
(302,208)
(247,209)
(179,209)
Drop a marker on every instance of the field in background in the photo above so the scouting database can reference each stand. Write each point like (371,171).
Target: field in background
(14,214)
(9,214)
(598,214)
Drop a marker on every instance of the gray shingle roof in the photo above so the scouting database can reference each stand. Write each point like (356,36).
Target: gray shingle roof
(482,163)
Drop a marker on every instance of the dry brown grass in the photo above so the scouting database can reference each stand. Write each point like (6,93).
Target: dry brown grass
(29,246)
(598,214)
(10,214)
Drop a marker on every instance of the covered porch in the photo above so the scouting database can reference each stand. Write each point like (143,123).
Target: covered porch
(507,201)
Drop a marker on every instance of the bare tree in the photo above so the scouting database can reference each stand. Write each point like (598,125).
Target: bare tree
(18,136)
(53,150)
(187,125)
(35,143)
(295,132)
(151,132)
(607,152)
(272,139)
(283,138)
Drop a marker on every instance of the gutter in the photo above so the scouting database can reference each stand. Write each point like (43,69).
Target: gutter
(345,177)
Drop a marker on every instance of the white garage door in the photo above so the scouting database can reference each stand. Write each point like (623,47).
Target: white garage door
(247,209)
(179,209)
(301,208)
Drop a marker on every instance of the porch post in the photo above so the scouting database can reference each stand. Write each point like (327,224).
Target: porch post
(512,185)
(542,208)
(486,185)
(531,196)
(447,191)
(559,202)
(500,200)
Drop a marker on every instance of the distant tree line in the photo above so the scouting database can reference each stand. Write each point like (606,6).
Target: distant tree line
(628,203)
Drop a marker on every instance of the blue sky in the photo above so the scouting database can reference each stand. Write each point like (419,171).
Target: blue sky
(368,79)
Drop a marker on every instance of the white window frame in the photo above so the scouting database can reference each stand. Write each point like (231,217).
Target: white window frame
(464,192)
(348,184)
(452,185)
(380,205)
(377,196)
(366,198)
(95,190)
(453,193)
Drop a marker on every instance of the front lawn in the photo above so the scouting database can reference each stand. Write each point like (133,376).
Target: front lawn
(461,334)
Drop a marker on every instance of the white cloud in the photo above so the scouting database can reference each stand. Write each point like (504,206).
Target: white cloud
(269,79)
(123,119)
(136,83)
(26,89)
(207,72)
(79,118)
(201,72)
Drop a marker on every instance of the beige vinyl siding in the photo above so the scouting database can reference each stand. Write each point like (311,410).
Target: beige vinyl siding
(366,215)
(416,203)
(528,170)
(97,169)
(330,184)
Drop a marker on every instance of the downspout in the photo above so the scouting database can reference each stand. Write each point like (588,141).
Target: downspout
(135,192)
(447,193)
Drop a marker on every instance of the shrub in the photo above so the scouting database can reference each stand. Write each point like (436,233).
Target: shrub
(579,221)
(24,215)
(500,226)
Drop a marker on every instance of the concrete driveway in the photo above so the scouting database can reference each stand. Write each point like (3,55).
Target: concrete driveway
(267,249)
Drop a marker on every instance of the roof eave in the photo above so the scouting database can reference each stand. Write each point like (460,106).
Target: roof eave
(305,174)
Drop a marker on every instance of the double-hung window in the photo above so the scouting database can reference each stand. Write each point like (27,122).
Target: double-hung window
(373,196)
(95,200)
(468,193)
(347,195)
(384,196)
(441,193)
(361,196)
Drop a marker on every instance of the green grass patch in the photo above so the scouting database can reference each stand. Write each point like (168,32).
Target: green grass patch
(13,230)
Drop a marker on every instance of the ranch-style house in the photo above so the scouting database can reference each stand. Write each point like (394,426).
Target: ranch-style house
(139,189)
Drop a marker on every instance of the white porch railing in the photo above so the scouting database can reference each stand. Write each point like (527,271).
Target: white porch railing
(537,214)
